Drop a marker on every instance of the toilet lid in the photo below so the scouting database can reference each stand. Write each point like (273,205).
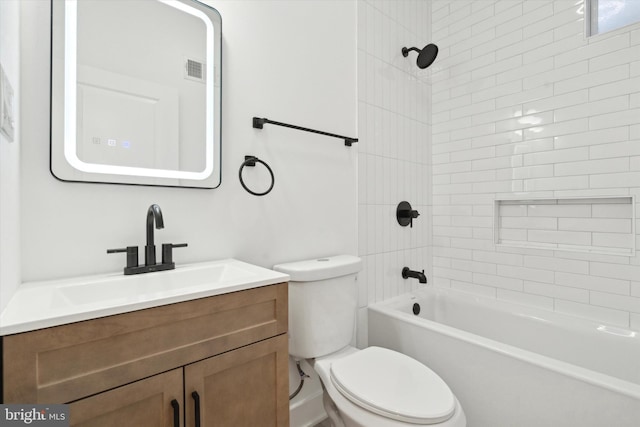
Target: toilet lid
(393,385)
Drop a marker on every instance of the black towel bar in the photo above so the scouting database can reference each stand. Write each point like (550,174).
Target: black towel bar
(258,123)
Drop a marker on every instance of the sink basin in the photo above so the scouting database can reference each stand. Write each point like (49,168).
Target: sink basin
(145,286)
(44,304)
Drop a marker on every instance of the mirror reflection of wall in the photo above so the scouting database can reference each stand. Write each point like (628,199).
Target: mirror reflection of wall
(141,91)
(129,88)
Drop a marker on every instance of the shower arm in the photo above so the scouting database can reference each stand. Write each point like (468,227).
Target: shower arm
(406,50)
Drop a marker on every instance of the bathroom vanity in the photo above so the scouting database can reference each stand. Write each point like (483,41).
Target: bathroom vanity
(214,360)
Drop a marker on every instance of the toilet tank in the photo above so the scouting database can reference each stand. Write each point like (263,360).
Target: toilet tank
(323,301)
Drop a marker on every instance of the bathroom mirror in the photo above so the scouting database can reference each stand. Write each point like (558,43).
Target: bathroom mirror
(135,92)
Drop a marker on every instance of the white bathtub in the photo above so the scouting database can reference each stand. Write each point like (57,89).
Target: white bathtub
(516,366)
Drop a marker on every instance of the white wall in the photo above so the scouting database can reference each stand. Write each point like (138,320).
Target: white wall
(289,61)
(395,151)
(10,156)
(524,105)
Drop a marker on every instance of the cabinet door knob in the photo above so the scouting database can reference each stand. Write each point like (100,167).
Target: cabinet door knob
(196,401)
(176,413)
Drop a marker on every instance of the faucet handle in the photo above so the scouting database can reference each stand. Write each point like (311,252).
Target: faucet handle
(405,214)
(167,251)
(132,255)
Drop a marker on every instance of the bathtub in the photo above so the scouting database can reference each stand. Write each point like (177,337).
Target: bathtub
(511,365)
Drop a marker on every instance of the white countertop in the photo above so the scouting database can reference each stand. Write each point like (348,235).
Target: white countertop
(37,305)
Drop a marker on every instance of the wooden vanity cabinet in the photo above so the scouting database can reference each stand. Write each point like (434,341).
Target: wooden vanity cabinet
(153,402)
(223,359)
(241,388)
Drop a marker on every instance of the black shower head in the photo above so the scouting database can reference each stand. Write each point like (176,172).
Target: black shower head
(426,55)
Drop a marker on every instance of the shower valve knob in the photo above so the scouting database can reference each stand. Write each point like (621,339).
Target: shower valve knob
(405,214)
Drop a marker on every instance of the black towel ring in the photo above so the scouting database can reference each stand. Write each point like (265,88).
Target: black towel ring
(251,161)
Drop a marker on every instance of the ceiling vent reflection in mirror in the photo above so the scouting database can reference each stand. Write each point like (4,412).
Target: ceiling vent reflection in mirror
(195,70)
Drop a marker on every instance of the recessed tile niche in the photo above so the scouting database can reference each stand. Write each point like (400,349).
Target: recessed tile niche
(602,225)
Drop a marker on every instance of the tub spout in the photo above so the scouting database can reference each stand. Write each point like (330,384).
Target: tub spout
(406,273)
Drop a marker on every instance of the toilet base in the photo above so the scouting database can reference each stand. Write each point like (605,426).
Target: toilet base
(332,411)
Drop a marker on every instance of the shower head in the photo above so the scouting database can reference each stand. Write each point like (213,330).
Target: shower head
(426,55)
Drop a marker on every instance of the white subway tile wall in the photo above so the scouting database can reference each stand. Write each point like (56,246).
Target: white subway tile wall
(524,105)
(394,157)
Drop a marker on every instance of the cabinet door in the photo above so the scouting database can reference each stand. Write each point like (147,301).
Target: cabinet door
(247,387)
(153,402)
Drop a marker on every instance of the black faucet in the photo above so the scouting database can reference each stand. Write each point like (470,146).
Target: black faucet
(154,216)
(153,213)
(406,273)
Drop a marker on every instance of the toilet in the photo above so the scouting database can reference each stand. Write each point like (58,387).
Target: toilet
(373,387)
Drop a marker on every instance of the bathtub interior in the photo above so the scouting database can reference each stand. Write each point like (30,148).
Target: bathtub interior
(605,349)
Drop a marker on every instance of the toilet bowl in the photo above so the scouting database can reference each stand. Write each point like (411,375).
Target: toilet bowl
(373,387)
(381,387)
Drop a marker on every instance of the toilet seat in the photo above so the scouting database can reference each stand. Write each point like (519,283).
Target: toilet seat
(393,385)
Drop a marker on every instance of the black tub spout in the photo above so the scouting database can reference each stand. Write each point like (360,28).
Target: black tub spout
(407,272)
